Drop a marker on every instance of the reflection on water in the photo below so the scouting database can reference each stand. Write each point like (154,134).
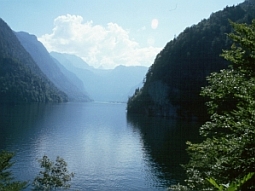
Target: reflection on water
(106,149)
(17,121)
(164,142)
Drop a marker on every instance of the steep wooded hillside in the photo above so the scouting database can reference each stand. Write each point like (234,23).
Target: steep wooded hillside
(50,68)
(21,80)
(174,81)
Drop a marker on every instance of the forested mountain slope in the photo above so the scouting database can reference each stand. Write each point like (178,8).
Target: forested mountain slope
(50,68)
(21,80)
(174,81)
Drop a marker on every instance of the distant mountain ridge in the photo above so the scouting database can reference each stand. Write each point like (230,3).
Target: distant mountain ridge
(174,80)
(52,69)
(21,80)
(104,85)
(74,60)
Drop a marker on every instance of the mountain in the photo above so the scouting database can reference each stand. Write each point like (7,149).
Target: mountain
(73,60)
(174,80)
(104,85)
(71,77)
(21,80)
(62,78)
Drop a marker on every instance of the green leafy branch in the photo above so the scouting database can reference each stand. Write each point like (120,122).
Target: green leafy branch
(232,186)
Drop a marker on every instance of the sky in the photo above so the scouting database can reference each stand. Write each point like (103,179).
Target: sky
(108,33)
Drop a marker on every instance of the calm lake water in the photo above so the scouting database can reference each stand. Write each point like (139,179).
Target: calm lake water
(105,148)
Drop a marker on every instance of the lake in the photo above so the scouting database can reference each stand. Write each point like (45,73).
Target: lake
(105,148)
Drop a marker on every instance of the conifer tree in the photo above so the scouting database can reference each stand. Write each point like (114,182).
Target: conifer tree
(7,182)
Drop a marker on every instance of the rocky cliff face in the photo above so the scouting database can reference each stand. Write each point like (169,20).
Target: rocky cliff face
(174,81)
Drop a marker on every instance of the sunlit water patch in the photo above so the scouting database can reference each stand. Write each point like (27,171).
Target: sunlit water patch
(103,147)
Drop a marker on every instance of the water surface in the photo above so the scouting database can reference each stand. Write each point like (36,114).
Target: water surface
(105,148)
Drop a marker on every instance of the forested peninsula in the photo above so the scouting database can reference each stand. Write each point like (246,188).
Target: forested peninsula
(173,83)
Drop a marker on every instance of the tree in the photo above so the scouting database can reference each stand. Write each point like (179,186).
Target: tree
(233,186)
(7,182)
(55,175)
(227,153)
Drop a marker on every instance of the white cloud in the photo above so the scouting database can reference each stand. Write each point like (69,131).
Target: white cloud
(107,46)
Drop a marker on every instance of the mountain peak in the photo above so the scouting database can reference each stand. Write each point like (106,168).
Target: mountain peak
(77,61)
(50,68)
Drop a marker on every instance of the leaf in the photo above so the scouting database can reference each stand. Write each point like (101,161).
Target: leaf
(213,182)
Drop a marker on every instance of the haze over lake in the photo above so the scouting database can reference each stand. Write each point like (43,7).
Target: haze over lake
(105,148)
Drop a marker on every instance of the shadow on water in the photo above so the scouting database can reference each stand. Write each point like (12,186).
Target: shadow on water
(145,156)
(16,121)
(164,142)
(19,127)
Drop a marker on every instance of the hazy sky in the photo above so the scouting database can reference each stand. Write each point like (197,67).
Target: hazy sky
(107,33)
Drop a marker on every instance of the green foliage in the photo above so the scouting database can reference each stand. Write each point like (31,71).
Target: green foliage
(233,186)
(54,175)
(178,187)
(21,80)
(7,182)
(184,63)
(227,152)
(19,85)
